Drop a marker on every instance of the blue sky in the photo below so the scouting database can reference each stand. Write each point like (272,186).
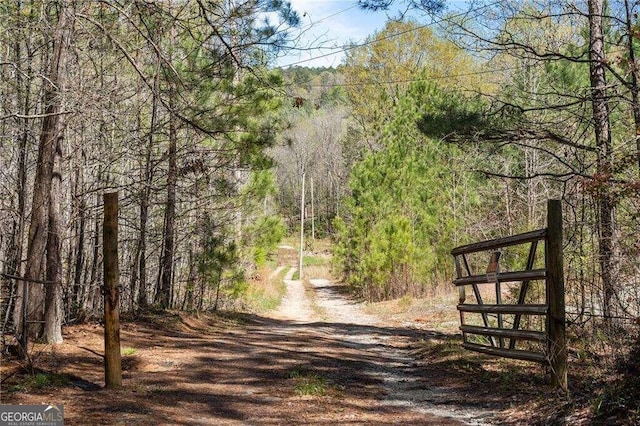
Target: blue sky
(327,25)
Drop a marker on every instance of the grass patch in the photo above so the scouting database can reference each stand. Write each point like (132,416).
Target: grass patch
(296,275)
(314,261)
(40,381)
(306,383)
(128,351)
(264,294)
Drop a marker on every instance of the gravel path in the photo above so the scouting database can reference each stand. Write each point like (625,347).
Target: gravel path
(295,305)
(346,320)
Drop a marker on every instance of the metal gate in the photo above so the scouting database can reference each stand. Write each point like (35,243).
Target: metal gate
(495,335)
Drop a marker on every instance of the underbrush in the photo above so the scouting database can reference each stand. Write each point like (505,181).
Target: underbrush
(618,396)
(264,294)
(38,381)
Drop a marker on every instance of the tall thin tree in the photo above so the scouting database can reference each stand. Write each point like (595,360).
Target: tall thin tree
(602,133)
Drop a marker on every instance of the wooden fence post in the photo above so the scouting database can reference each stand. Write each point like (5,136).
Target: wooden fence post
(112,359)
(301,255)
(555,295)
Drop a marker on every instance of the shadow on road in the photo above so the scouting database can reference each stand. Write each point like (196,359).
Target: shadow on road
(245,368)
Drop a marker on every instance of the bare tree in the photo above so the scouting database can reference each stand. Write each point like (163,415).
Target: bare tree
(602,131)
(43,252)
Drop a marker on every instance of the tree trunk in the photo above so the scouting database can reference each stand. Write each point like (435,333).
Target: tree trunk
(53,293)
(300,256)
(203,290)
(146,192)
(635,90)
(16,247)
(135,283)
(313,215)
(142,255)
(191,282)
(602,129)
(144,207)
(163,297)
(89,299)
(52,126)
(80,237)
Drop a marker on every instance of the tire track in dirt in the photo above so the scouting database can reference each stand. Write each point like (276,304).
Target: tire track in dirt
(347,322)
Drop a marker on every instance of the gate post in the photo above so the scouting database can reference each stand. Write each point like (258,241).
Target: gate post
(556,324)
(112,359)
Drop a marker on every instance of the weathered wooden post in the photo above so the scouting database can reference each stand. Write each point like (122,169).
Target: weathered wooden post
(112,359)
(300,257)
(555,295)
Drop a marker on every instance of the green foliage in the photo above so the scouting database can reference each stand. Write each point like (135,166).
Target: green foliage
(265,231)
(218,260)
(265,234)
(128,351)
(379,73)
(310,89)
(217,254)
(403,214)
(261,185)
(446,114)
(40,381)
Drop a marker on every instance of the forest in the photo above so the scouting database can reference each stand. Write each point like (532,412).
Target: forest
(432,133)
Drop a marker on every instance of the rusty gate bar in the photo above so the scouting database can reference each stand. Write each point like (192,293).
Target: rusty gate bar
(505,332)
(511,240)
(507,353)
(505,309)
(535,274)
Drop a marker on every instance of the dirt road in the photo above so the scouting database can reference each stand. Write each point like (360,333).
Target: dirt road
(382,349)
(318,359)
